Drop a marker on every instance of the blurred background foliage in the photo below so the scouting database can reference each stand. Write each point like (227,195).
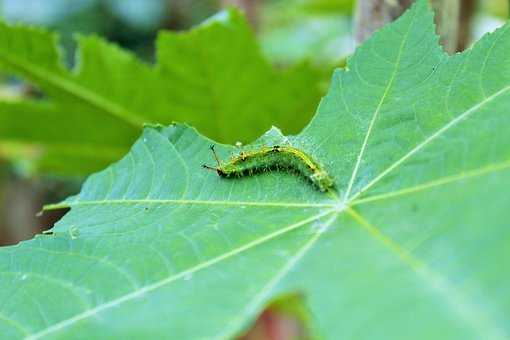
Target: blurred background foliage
(289,32)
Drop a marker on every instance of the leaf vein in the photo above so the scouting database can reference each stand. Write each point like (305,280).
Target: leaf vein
(161,283)
(431,138)
(376,113)
(435,183)
(465,309)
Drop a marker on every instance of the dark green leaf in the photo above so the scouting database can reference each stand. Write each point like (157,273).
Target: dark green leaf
(213,77)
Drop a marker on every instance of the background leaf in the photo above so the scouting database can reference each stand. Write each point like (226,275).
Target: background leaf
(213,77)
(412,244)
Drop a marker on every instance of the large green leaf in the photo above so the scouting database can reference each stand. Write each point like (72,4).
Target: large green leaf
(213,77)
(413,244)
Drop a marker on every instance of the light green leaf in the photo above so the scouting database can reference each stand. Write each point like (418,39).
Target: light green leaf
(412,244)
(213,77)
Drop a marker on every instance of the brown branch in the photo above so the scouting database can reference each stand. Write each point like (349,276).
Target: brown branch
(447,23)
(373,14)
(467,11)
(453,19)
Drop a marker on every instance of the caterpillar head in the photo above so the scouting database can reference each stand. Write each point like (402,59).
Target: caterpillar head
(218,168)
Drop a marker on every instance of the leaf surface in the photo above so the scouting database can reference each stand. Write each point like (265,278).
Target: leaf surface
(411,244)
(213,77)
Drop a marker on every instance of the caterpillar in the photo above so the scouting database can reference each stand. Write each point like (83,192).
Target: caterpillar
(273,158)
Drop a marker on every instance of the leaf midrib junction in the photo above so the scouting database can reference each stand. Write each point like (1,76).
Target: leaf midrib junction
(483,171)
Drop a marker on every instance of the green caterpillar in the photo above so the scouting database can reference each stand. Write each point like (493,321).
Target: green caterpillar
(273,158)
